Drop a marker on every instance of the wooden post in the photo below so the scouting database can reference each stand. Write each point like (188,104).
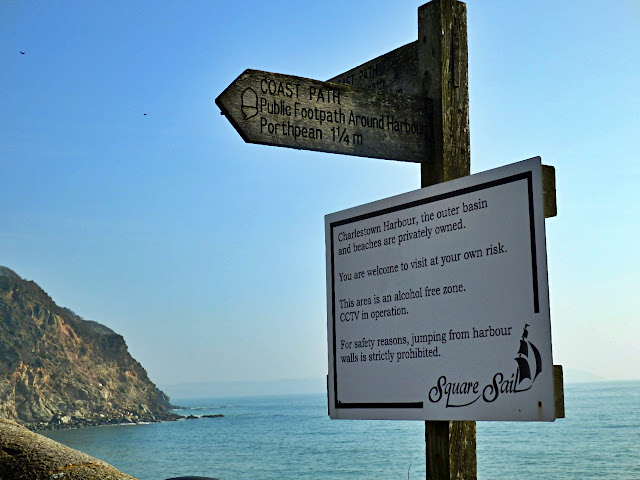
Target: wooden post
(558,390)
(444,73)
(443,70)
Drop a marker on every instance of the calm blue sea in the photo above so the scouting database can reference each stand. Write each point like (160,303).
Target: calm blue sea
(291,437)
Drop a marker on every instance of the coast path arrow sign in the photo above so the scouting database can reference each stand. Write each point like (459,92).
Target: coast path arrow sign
(395,71)
(288,111)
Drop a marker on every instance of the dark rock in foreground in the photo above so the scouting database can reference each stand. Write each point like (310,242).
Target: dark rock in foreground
(27,455)
(58,370)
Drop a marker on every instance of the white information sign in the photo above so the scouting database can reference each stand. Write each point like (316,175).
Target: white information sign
(438,302)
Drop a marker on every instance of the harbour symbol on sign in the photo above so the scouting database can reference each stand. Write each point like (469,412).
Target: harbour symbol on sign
(528,357)
(249,103)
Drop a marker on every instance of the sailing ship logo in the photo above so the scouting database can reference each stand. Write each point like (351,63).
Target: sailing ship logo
(529,362)
(459,393)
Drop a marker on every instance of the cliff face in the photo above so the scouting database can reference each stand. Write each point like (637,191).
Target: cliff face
(59,370)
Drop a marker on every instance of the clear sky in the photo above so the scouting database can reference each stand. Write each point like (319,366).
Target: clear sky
(129,198)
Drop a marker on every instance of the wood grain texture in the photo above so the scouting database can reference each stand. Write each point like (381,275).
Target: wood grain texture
(393,72)
(288,111)
(443,68)
(558,390)
(549,191)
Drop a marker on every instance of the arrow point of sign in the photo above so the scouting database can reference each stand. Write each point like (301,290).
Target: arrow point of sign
(225,103)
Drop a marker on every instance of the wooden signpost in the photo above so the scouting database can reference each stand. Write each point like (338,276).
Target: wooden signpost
(393,72)
(443,74)
(287,111)
(410,104)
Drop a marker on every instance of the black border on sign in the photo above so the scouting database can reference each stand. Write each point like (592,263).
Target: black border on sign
(528,176)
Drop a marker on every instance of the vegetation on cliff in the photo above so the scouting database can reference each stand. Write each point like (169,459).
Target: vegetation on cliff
(58,370)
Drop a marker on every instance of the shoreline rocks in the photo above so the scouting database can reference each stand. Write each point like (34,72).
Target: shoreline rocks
(72,423)
(195,417)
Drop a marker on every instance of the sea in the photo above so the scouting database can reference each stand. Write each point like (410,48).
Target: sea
(292,437)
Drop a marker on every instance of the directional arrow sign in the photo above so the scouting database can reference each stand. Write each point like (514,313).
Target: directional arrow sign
(395,71)
(287,111)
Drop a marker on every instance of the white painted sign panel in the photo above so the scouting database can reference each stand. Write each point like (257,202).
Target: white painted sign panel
(438,303)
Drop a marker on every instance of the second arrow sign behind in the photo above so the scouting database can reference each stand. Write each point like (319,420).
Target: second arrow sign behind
(288,111)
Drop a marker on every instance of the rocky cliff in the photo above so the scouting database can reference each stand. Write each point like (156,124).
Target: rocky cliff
(58,370)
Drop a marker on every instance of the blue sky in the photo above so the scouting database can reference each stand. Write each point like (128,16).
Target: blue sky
(207,254)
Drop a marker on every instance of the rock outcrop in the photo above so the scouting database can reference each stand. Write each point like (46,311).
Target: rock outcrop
(58,370)
(25,455)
